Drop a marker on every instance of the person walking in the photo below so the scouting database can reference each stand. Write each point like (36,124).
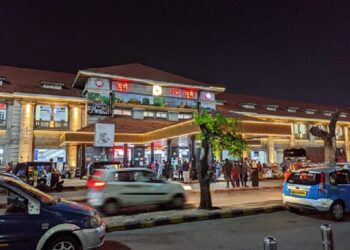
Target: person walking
(226,170)
(186,172)
(235,174)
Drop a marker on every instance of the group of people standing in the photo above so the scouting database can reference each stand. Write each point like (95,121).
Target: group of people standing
(237,172)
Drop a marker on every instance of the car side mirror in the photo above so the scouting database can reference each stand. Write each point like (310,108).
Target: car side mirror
(33,207)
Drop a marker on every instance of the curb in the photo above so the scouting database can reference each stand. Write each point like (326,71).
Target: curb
(204,215)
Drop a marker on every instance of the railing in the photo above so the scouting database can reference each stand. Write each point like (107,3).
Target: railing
(59,125)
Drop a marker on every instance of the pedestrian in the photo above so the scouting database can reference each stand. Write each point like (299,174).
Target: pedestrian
(226,170)
(235,174)
(255,174)
(245,169)
(131,165)
(186,172)
(180,171)
(9,167)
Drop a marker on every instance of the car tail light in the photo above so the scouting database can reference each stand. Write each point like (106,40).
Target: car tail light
(321,188)
(96,184)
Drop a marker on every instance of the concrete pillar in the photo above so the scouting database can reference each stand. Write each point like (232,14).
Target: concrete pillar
(292,137)
(271,149)
(75,118)
(193,151)
(168,143)
(72,156)
(125,158)
(152,152)
(26,146)
(346,143)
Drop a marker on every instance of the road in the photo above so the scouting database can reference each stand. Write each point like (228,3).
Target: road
(291,231)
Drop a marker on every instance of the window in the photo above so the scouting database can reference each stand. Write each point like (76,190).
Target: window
(300,131)
(339,177)
(161,115)
(339,133)
(52,85)
(142,176)
(125,112)
(343,115)
(304,178)
(248,105)
(292,109)
(124,176)
(328,113)
(3,107)
(148,114)
(15,204)
(48,116)
(271,107)
(185,116)
(310,111)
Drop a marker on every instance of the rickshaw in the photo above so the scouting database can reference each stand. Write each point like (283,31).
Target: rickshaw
(35,174)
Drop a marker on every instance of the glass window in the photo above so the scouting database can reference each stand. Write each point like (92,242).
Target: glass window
(124,176)
(304,178)
(142,176)
(300,131)
(339,132)
(161,114)
(15,204)
(339,177)
(61,113)
(248,105)
(43,113)
(148,114)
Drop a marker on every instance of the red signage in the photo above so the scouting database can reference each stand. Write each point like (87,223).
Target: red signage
(2,105)
(189,94)
(175,92)
(122,86)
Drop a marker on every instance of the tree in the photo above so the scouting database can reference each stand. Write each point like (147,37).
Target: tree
(328,137)
(217,133)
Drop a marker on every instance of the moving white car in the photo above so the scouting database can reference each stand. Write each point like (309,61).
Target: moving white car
(126,187)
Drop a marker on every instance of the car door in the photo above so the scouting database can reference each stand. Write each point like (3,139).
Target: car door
(18,229)
(126,188)
(343,184)
(152,190)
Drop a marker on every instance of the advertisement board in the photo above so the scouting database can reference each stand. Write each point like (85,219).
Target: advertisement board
(99,103)
(104,135)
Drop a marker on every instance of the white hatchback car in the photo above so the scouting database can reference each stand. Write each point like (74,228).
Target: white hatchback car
(126,187)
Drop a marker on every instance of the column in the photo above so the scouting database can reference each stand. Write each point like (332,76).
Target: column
(346,143)
(271,149)
(75,118)
(72,156)
(83,167)
(152,152)
(193,151)
(168,143)
(26,135)
(292,137)
(125,158)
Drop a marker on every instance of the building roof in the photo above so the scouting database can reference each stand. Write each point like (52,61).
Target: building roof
(26,80)
(129,125)
(140,71)
(233,102)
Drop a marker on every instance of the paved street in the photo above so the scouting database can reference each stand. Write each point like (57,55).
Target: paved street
(292,232)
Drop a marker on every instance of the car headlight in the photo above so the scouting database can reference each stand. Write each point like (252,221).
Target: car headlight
(95,221)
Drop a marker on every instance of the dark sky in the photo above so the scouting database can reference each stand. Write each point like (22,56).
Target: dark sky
(286,49)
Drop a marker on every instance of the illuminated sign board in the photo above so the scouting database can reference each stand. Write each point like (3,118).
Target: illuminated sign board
(122,86)
(157,90)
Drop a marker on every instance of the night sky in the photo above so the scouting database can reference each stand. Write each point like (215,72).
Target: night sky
(285,49)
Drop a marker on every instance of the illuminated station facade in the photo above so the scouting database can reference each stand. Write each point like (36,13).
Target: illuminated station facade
(46,115)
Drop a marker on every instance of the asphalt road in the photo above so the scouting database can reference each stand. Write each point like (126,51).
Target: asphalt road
(291,231)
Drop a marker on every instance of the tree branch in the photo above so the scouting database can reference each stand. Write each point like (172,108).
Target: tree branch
(333,122)
(315,131)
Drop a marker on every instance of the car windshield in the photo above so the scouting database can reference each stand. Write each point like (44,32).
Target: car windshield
(304,178)
(43,197)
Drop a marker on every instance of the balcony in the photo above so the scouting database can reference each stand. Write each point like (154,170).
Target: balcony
(52,125)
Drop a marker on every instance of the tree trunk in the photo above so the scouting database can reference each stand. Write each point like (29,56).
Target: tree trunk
(203,176)
(329,149)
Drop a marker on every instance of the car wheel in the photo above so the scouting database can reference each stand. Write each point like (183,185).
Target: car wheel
(111,207)
(178,202)
(337,211)
(64,242)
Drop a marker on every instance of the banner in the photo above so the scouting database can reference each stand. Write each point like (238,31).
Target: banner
(104,135)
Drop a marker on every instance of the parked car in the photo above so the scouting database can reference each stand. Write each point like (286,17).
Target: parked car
(31,219)
(324,189)
(112,190)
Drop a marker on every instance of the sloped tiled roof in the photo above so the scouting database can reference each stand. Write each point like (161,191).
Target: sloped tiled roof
(233,103)
(26,80)
(141,71)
